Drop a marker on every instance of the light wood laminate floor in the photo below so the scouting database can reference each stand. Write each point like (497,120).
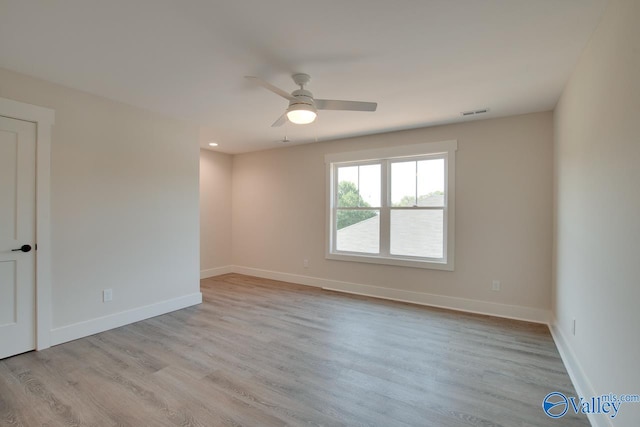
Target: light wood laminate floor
(266,353)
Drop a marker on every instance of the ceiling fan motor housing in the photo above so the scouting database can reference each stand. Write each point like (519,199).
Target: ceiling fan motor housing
(302,97)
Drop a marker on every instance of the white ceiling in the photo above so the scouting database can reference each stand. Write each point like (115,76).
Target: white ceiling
(423,61)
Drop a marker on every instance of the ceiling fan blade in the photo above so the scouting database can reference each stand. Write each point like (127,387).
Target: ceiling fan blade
(270,87)
(334,104)
(281,120)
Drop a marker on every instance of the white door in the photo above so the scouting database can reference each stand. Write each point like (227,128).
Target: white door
(17,229)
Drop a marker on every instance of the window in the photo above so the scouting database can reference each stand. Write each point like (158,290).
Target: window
(393,205)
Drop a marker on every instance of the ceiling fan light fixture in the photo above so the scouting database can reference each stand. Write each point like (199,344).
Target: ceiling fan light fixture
(301,114)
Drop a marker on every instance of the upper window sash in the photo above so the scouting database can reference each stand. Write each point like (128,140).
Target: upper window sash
(416,159)
(336,183)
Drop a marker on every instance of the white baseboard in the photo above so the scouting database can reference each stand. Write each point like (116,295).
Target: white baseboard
(276,275)
(517,312)
(578,377)
(115,320)
(217,271)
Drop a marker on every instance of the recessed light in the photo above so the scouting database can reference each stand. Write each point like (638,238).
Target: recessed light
(213,144)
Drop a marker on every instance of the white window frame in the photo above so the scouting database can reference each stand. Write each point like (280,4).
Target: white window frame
(385,156)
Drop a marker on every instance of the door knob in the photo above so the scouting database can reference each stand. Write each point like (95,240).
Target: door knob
(23,248)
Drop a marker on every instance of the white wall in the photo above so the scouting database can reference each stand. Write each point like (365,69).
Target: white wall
(597,185)
(503,217)
(215,212)
(124,206)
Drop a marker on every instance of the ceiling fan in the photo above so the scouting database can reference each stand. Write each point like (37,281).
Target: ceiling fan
(303,107)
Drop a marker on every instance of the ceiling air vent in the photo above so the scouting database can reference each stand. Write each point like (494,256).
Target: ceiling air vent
(474,112)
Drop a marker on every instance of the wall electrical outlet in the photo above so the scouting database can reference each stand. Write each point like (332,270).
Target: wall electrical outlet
(495,285)
(107,295)
(305,263)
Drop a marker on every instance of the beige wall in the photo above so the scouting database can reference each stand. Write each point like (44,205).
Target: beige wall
(503,212)
(124,190)
(597,156)
(215,210)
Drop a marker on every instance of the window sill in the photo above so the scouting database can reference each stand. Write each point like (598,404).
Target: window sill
(401,262)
